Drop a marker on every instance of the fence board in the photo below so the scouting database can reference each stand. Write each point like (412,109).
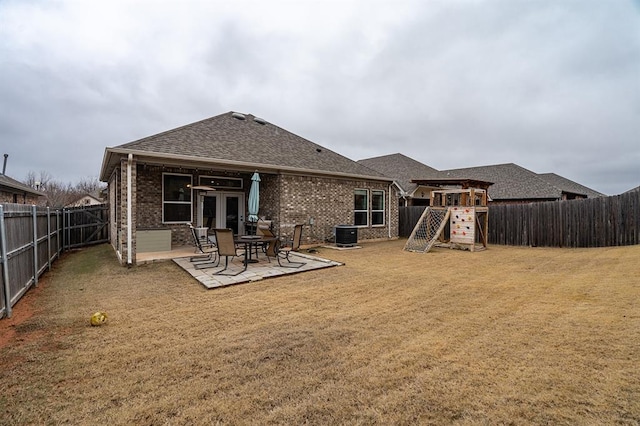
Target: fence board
(593,222)
(32,238)
(408,217)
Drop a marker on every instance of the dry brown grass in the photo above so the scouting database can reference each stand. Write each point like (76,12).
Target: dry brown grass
(508,335)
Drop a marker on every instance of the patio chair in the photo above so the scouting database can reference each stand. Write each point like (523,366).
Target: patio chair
(262,226)
(226,248)
(282,252)
(206,248)
(265,232)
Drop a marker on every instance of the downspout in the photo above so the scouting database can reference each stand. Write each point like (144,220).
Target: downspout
(129,214)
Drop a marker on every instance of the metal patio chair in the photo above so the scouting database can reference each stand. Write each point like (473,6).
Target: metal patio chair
(206,248)
(227,248)
(279,251)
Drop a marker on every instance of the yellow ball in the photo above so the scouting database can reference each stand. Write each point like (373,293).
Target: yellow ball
(98,318)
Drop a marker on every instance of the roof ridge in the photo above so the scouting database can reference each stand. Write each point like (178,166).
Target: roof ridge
(244,138)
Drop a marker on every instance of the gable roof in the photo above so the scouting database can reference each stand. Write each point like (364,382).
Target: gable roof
(94,199)
(401,168)
(511,182)
(568,185)
(8,184)
(242,141)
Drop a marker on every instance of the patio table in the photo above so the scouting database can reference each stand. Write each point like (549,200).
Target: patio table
(250,241)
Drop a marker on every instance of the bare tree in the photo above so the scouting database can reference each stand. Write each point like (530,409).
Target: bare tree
(89,185)
(59,194)
(38,181)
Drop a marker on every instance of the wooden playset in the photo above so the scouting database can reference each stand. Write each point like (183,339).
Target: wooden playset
(456,218)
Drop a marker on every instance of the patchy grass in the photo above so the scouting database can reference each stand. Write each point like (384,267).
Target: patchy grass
(508,335)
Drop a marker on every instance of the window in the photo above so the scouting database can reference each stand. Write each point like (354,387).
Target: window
(377,207)
(176,198)
(221,182)
(361,207)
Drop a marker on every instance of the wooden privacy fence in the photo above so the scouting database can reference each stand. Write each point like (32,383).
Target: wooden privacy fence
(31,238)
(592,222)
(85,226)
(407,219)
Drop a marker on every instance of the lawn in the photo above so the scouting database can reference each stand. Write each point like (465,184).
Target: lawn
(504,336)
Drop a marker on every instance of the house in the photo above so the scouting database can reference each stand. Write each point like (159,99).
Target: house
(86,200)
(12,191)
(403,170)
(515,184)
(570,187)
(505,183)
(201,174)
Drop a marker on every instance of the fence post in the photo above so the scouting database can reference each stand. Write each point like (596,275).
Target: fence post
(58,234)
(35,244)
(5,263)
(48,239)
(64,232)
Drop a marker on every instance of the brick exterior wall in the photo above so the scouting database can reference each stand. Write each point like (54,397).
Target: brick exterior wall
(7,197)
(286,200)
(123,248)
(330,202)
(270,197)
(150,203)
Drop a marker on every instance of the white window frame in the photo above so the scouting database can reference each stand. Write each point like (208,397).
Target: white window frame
(190,202)
(206,180)
(365,211)
(384,216)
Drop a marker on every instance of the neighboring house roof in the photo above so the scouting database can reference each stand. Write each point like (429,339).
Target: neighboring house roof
(511,182)
(8,184)
(245,142)
(569,185)
(401,168)
(90,199)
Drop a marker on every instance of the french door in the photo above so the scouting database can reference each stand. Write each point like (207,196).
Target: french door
(222,210)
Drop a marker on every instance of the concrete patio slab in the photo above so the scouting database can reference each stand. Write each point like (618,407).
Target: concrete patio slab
(255,271)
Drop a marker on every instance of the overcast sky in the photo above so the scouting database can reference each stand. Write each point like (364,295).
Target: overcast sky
(553,86)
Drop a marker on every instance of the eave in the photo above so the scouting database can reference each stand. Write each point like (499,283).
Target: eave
(112,157)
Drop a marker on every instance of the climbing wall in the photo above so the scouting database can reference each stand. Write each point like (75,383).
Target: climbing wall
(462,222)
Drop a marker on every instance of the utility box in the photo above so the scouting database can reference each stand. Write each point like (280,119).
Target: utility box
(346,235)
(153,240)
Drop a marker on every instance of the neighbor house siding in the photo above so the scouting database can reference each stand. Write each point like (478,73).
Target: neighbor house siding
(14,197)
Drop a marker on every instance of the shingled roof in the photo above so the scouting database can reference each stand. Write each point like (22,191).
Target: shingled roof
(401,168)
(511,182)
(8,184)
(243,141)
(568,185)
